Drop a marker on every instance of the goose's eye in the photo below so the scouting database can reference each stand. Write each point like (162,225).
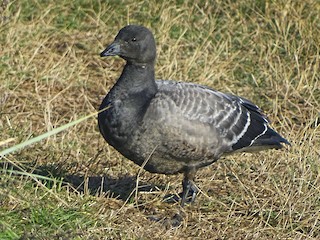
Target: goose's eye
(133,39)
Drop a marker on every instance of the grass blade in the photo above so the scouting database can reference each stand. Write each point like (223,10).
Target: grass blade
(46,135)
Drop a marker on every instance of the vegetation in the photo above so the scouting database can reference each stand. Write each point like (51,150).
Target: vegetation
(72,185)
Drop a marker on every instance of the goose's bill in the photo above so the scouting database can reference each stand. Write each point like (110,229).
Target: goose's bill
(112,50)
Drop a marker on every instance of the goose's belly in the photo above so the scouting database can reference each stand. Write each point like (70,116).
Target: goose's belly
(152,149)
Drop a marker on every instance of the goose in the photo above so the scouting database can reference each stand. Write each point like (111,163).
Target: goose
(171,127)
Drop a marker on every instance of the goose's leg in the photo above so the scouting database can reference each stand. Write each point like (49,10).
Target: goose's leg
(189,188)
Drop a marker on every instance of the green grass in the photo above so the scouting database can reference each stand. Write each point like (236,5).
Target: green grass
(72,185)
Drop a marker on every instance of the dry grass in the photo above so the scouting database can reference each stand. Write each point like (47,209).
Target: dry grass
(66,187)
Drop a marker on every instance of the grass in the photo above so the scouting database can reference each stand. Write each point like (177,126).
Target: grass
(72,185)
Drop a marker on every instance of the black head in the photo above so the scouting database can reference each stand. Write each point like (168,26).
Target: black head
(133,43)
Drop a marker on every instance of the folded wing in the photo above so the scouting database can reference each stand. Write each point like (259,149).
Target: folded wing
(221,122)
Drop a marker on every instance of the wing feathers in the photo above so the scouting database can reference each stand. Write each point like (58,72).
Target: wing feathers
(237,123)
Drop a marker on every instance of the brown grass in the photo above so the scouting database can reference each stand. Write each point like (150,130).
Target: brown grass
(51,74)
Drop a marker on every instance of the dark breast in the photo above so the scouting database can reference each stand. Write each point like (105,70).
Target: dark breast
(110,123)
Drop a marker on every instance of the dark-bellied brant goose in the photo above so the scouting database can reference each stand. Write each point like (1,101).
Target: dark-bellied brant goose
(174,127)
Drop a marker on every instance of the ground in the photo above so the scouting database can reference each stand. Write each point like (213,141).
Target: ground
(73,185)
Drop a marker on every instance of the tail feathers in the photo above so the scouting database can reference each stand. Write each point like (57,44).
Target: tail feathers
(270,138)
(254,128)
(259,135)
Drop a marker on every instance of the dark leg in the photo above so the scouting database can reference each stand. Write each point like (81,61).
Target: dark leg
(189,188)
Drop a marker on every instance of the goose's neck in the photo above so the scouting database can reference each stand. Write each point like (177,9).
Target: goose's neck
(135,88)
(138,78)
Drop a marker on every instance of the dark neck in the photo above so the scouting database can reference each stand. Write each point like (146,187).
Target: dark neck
(128,100)
(137,78)
(135,88)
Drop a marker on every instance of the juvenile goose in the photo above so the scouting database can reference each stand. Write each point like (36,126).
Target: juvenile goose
(174,127)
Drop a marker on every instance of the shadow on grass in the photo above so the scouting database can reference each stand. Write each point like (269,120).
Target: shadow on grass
(119,188)
(122,188)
